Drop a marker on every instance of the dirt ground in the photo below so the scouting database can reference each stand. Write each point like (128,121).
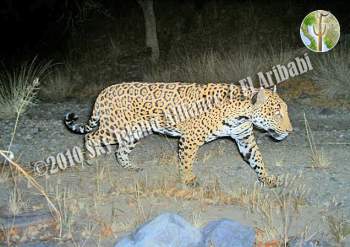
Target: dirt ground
(102,202)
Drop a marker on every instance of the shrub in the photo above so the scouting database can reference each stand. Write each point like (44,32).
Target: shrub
(57,86)
(332,71)
(218,66)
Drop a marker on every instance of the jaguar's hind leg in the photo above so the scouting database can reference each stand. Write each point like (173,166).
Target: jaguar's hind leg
(96,144)
(188,148)
(122,156)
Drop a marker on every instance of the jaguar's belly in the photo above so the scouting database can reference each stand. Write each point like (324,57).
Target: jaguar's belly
(168,131)
(234,129)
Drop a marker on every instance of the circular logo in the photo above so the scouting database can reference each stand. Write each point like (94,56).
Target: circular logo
(320,31)
(40,168)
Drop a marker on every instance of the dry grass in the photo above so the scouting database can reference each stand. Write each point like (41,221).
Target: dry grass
(142,215)
(65,206)
(296,88)
(278,209)
(143,190)
(6,234)
(32,182)
(58,85)
(28,98)
(18,91)
(87,232)
(196,219)
(101,176)
(211,193)
(16,202)
(319,160)
(19,88)
(16,198)
(18,95)
(215,66)
(332,71)
(338,225)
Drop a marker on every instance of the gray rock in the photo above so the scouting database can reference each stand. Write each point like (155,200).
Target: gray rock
(227,233)
(166,230)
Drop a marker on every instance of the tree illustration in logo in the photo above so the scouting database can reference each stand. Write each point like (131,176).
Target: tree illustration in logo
(320,31)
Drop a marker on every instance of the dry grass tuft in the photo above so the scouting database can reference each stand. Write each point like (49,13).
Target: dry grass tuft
(64,203)
(338,225)
(19,88)
(319,161)
(277,209)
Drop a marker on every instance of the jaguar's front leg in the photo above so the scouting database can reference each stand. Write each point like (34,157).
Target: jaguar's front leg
(251,154)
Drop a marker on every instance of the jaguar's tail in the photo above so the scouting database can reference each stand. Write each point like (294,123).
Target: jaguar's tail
(70,121)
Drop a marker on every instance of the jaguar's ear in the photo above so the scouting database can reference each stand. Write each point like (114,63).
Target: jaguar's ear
(260,97)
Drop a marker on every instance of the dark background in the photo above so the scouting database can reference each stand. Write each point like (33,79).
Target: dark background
(45,27)
(95,43)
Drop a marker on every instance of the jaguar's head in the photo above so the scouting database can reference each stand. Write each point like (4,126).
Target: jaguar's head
(270,113)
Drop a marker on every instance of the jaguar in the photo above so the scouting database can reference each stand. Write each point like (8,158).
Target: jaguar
(195,113)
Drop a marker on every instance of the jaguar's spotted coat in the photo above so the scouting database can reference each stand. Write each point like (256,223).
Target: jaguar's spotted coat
(232,113)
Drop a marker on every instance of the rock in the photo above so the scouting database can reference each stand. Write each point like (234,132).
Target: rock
(167,229)
(227,233)
(172,230)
